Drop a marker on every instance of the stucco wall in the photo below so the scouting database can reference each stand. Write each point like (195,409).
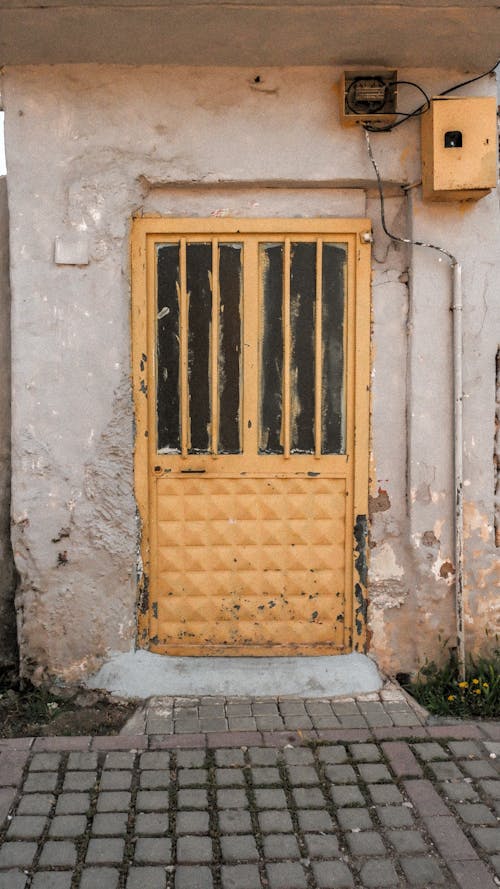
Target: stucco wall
(8,645)
(88,146)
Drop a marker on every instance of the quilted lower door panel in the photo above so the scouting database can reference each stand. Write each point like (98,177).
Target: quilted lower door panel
(249,565)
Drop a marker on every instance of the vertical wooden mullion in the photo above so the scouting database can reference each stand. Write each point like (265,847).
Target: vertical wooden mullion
(251,313)
(286,350)
(214,381)
(318,349)
(184,381)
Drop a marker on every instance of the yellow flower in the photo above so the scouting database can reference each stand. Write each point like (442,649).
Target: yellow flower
(477,691)
(463,685)
(451,697)
(475,681)
(485,685)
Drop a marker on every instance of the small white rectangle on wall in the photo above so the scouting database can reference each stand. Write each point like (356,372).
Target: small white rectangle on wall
(71,250)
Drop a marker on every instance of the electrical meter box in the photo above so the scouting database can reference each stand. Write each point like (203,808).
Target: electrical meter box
(368,96)
(459,148)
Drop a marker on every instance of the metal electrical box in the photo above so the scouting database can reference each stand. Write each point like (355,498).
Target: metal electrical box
(459,148)
(368,96)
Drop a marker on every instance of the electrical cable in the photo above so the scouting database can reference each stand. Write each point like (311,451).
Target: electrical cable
(423,108)
(389,234)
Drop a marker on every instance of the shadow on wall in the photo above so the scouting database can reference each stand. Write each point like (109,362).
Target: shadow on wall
(8,635)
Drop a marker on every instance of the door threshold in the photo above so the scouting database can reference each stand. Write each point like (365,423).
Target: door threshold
(141,674)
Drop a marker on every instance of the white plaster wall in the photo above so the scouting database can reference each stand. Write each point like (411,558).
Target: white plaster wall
(87,146)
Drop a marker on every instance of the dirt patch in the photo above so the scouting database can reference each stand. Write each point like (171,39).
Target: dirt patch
(30,711)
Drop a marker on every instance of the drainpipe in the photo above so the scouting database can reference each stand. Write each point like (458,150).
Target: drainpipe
(457,310)
(457,349)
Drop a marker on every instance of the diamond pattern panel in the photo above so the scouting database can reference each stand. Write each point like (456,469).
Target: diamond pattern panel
(249,562)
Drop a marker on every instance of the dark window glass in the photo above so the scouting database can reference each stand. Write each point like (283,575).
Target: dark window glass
(230,281)
(167,349)
(199,268)
(271,349)
(332,407)
(302,297)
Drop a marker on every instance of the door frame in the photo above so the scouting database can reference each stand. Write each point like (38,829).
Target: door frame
(357,233)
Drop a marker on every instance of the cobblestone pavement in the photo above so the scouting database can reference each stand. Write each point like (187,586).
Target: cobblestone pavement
(374,803)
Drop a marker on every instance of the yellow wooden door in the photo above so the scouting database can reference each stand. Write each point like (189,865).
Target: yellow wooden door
(251,372)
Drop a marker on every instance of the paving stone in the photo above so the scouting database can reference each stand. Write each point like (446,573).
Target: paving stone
(239,710)
(115,780)
(446,771)
(192,777)
(384,794)
(68,826)
(374,772)
(286,875)
(281,846)
(18,854)
(298,756)
(154,850)
(425,798)
(194,849)
(159,725)
(405,718)
(450,840)
(153,779)
(121,759)
(155,823)
(229,777)
(157,800)
(322,846)
(189,759)
(79,781)
(407,842)
(7,797)
(379,873)
(471,874)
(353,721)
(478,768)
(458,791)
(108,851)
(302,721)
(271,799)
(365,752)
(159,760)
(354,819)
(275,821)
(302,775)
(109,824)
(40,782)
(332,755)
(465,749)
(52,880)
(58,853)
(490,788)
(193,878)
(116,801)
(231,799)
(146,878)
(347,796)
(13,879)
(488,838)
(43,762)
(345,708)
(495,861)
(267,708)
(315,820)
(239,848)
(100,878)
(366,843)
(308,797)
(231,757)
(332,875)
(265,776)
(429,751)
(326,722)
(240,876)
(231,821)
(318,708)
(26,827)
(86,762)
(341,774)
(475,813)
(395,816)
(72,803)
(421,871)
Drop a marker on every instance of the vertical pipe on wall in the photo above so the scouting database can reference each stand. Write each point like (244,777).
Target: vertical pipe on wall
(457,311)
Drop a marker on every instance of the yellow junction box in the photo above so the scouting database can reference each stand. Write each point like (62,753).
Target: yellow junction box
(459,147)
